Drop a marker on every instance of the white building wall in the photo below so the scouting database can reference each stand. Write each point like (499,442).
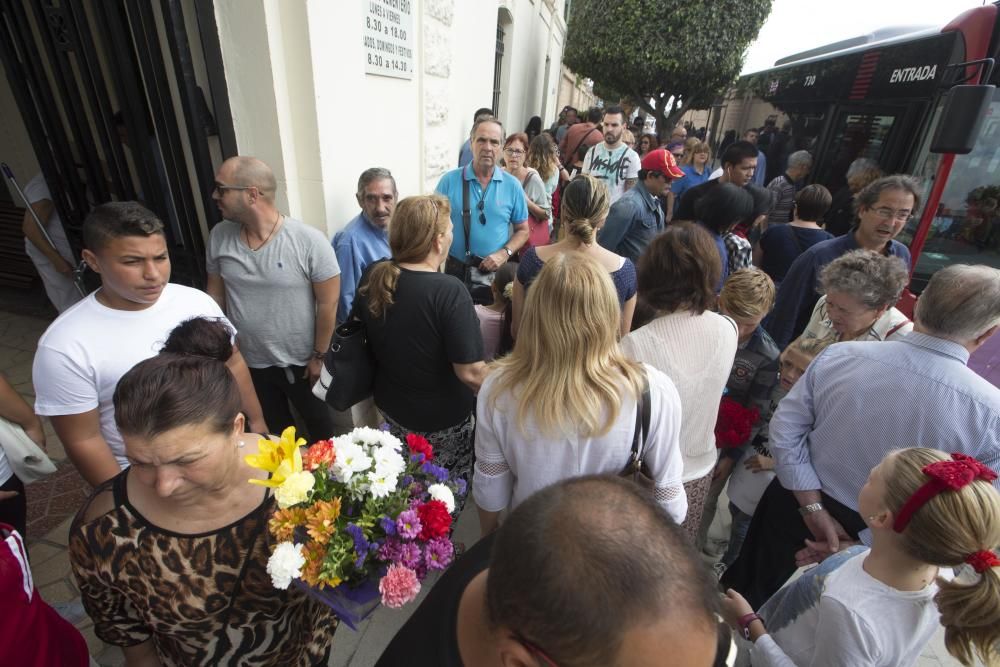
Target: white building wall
(302,102)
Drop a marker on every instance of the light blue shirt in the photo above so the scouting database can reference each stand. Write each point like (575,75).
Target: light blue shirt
(760,173)
(858,401)
(465,155)
(357,245)
(505,205)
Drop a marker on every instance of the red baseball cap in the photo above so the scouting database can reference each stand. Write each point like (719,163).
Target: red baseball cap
(662,161)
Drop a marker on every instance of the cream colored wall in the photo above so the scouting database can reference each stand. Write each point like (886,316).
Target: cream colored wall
(15,145)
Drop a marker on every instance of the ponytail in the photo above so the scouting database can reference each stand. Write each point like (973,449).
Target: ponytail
(950,529)
(583,207)
(380,287)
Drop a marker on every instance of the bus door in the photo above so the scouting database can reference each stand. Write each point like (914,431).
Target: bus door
(882,133)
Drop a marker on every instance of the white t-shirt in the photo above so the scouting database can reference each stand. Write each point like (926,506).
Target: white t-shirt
(512,463)
(614,167)
(83,354)
(838,615)
(35,191)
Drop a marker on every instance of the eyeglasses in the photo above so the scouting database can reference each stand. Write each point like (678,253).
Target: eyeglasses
(886,213)
(482,214)
(513,152)
(222,187)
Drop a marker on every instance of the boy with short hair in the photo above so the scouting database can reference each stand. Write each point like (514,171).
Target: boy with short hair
(84,352)
(747,297)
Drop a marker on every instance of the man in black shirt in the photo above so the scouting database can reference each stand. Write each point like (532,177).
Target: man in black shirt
(739,161)
(588,571)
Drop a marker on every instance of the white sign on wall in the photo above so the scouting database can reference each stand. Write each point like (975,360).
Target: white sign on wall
(389,39)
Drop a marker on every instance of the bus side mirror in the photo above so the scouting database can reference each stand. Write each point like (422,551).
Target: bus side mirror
(961,119)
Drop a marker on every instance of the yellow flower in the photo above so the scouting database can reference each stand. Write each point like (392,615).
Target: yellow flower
(321,520)
(284,522)
(314,553)
(282,459)
(295,489)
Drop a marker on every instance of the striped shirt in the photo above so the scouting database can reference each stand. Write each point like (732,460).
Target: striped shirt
(858,401)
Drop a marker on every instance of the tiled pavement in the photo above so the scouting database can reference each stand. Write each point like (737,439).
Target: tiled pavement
(52,502)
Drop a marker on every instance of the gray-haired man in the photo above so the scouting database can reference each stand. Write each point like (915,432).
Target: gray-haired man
(785,186)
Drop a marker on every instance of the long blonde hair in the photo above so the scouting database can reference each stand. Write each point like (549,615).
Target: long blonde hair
(945,531)
(567,369)
(416,223)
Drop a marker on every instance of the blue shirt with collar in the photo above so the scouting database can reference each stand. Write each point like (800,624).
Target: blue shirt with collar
(505,205)
(797,295)
(465,155)
(357,245)
(858,401)
(632,223)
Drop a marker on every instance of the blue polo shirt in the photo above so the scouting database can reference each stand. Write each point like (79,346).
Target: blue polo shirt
(505,205)
(357,245)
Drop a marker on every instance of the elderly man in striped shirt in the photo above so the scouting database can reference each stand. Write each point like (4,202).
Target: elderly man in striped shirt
(857,402)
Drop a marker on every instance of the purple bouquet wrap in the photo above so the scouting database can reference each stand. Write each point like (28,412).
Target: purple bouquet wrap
(352,604)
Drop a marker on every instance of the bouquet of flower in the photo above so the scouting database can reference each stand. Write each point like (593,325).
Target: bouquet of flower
(361,518)
(732,428)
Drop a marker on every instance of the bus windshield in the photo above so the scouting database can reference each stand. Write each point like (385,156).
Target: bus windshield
(966,226)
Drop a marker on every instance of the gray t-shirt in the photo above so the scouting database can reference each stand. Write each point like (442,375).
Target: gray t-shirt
(269,293)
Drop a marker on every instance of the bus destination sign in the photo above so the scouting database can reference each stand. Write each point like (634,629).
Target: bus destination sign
(389,38)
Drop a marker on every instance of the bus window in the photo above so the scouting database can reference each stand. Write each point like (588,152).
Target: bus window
(966,227)
(855,135)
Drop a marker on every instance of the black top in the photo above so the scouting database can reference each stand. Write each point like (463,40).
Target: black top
(430,637)
(783,243)
(685,209)
(430,325)
(840,217)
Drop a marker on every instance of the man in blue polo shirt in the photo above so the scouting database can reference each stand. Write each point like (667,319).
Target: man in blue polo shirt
(882,210)
(498,220)
(365,239)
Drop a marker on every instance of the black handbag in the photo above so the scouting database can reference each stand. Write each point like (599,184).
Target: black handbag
(636,468)
(348,373)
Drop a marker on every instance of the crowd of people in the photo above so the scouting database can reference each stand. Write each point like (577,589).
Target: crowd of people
(562,299)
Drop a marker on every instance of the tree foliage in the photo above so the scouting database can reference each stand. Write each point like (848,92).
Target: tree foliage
(645,50)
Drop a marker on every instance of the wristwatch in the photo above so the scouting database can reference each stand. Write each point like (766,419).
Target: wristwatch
(809,509)
(508,251)
(745,622)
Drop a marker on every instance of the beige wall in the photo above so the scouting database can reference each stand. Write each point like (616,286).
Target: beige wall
(15,146)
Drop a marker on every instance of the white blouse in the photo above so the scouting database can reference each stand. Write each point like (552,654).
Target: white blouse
(512,463)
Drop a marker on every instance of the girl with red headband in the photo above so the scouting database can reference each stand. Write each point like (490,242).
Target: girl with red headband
(863,607)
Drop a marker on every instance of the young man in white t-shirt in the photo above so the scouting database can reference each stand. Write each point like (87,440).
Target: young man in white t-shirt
(84,353)
(613,161)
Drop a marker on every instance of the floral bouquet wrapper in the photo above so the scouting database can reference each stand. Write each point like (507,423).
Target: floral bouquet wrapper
(351,604)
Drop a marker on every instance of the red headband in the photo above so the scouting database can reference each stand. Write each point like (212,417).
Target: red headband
(944,476)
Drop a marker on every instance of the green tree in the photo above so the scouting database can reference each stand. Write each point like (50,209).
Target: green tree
(670,52)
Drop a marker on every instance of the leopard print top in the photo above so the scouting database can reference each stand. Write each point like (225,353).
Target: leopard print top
(203,599)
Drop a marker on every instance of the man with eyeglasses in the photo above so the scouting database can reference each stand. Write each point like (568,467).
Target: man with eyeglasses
(882,210)
(566,581)
(497,211)
(279,282)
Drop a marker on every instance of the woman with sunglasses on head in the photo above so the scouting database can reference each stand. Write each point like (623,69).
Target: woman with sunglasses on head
(585,205)
(515,152)
(424,335)
(926,512)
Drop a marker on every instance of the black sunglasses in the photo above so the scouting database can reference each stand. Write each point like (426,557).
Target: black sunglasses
(482,216)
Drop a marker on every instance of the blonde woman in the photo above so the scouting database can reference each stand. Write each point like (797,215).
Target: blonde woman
(564,402)
(585,205)
(424,334)
(692,345)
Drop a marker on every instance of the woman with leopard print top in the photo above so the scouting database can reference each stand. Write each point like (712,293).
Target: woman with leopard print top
(170,555)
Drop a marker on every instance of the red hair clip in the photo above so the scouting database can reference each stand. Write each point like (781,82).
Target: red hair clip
(952,475)
(983,560)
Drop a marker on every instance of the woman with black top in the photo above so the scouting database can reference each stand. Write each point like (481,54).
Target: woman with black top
(779,245)
(424,334)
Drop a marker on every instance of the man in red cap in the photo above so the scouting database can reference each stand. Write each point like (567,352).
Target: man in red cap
(637,217)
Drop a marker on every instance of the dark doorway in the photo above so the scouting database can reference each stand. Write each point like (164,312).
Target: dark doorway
(124,99)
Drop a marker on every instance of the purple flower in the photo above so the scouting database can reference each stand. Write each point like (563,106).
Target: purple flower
(439,473)
(409,555)
(388,525)
(385,427)
(408,524)
(406,481)
(439,553)
(417,458)
(390,551)
(360,542)
(461,486)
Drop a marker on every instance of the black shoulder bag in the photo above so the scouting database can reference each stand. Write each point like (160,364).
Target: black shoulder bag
(348,373)
(636,468)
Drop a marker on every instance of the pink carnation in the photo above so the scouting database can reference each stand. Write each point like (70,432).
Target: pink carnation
(399,586)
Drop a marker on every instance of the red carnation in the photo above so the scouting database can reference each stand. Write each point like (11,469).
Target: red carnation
(434,519)
(732,428)
(418,445)
(320,452)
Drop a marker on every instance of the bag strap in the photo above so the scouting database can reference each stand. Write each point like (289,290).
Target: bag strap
(642,417)
(895,329)
(466,215)
(580,143)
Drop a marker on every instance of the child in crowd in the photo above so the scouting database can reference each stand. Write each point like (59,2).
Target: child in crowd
(925,510)
(494,320)
(753,472)
(746,297)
